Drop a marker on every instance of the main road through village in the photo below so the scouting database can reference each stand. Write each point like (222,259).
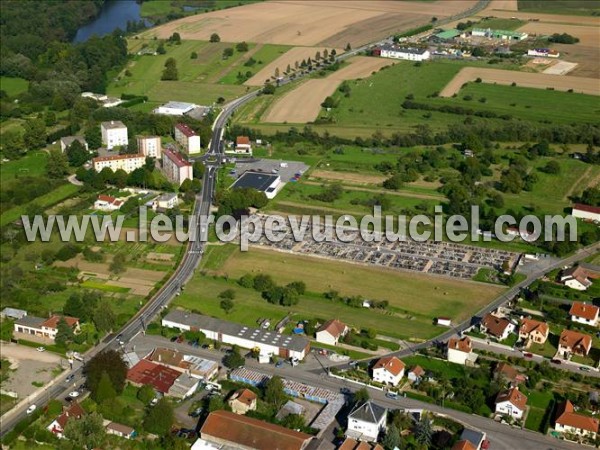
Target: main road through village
(502,437)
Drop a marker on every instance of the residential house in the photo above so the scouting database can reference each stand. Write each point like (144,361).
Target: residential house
(573,343)
(149,146)
(388,370)
(416,374)
(242,401)
(476,438)
(506,373)
(184,386)
(187,138)
(118,429)
(107,203)
(13,313)
(66,142)
(58,425)
(569,422)
(230,430)
(160,377)
(114,134)
(353,444)
(166,201)
(407,53)
(128,163)
(584,313)
(463,445)
(242,146)
(176,168)
(498,327)
(511,402)
(366,422)
(577,277)
(586,212)
(533,331)
(543,52)
(331,331)
(44,328)
(460,351)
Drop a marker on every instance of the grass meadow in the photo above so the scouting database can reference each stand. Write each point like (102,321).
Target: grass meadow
(13,86)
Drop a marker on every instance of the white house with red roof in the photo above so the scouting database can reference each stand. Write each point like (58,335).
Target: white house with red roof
(582,312)
(586,212)
(576,278)
(73,412)
(187,138)
(243,146)
(107,203)
(331,331)
(460,351)
(569,422)
(511,402)
(44,328)
(388,370)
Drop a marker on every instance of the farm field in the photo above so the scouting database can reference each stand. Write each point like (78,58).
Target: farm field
(579,7)
(416,299)
(13,86)
(198,78)
(263,54)
(164,7)
(304,23)
(532,80)
(588,35)
(543,16)
(33,164)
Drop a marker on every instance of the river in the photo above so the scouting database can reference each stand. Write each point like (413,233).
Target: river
(114,14)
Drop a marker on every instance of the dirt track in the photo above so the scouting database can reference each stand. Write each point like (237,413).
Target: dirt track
(303,104)
(533,80)
(308,23)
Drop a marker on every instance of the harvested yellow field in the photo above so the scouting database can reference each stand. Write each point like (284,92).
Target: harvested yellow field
(524,79)
(303,104)
(588,35)
(296,54)
(310,23)
(348,177)
(547,18)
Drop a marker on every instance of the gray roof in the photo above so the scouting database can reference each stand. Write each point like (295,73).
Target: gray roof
(14,313)
(295,343)
(166,197)
(256,180)
(113,124)
(368,412)
(474,437)
(30,321)
(68,140)
(411,50)
(179,105)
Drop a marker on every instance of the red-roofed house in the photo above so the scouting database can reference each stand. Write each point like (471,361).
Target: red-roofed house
(176,168)
(331,331)
(576,278)
(242,401)
(499,327)
(463,445)
(460,351)
(585,313)
(573,343)
(511,402)
(73,411)
(107,203)
(228,429)
(569,422)
(533,331)
(388,369)
(188,138)
(159,376)
(353,444)
(242,146)
(416,374)
(44,328)
(586,212)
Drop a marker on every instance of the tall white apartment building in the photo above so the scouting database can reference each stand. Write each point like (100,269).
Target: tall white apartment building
(176,168)
(149,146)
(187,138)
(114,133)
(126,162)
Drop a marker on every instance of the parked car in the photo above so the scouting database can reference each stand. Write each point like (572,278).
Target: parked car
(69,378)
(120,340)
(31,409)
(391,395)
(585,369)
(528,355)
(41,349)
(278,364)
(154,401)
(74,394)
(556,361)
(352,363)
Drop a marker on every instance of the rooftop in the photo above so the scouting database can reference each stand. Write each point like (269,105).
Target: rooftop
(334,327)
(368,412)
(52,322)
(529,325)
(113,124)
(448,34)
(587,208)
(463,345)
(390,363)
(186,130)
(179,105)
(176,158)
(572,339)
(245,396)
(566,415)
(159,376)
(296,343)
(251,433)
(353,444)
(496,326)
(514,396)
(584,310)
(166,197)
(463,445)
(400,49)
(117,157)
(255,180)
(242,140)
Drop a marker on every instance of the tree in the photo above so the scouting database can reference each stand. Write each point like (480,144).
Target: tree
(216,403)
(269,89)
(317,55)
(118,264)
(57,165)
(105,390)
(227,305)
(108,361)
(392,438)
(64,333)
(159,418)
(145,394)
(227,53)
(215,38)
(234,359)
(274,393)
(348,47)
(294,421)
(170,72)
(161,50)
(298,286)
(35,134)
(276,72)
(395,182)
(88,432)
(175,38)
(12,144)
(77,154)
(263,282)
(552,167)
(328,103)
(361,396)
(104,317)
(424,431)
(194,55)
(246,281)
(93,136)
(288,69)
(228,294)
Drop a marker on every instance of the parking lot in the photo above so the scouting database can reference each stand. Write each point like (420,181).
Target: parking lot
(287,170)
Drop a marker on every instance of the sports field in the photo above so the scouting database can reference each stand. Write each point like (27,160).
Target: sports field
(414,299)
(308,23)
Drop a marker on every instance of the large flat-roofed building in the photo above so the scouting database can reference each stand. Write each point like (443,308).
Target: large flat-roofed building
(504,35)
(175,108)
(407,53)
(268,342)
(114,133)
(262,182)
(149,146)
(176,168)
(193,365)
(126,162)
(187,138)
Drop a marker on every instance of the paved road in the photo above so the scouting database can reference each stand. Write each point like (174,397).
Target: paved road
(502,437)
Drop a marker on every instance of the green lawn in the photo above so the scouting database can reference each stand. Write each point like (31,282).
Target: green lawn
(198,78)
(33,164)
(13,86)
(568,7)
(435,365)
(163,7)
(101,286)
(500,24)
(265,55)
(51,198)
